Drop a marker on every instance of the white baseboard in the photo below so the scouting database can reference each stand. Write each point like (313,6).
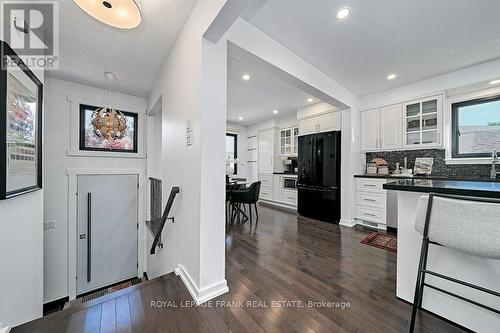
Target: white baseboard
(203,295)
(347,223)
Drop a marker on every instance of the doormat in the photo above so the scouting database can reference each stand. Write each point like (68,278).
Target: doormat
(382,241)
(102,292)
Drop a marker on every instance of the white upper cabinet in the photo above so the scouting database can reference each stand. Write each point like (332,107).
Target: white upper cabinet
(381,128)
(329,122)
(370,130)
(390,127)
(415,124)
(422,122)
(289,141)
(322,123)
(308,126)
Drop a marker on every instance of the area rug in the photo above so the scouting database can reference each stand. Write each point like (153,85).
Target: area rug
(382,241)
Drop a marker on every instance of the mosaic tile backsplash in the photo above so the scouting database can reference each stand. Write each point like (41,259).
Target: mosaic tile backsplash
(440,168)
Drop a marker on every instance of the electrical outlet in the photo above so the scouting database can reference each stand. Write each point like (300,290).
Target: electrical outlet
(51,224)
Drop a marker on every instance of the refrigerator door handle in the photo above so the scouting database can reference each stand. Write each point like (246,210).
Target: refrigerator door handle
(316,188)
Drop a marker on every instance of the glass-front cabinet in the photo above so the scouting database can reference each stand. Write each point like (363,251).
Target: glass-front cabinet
(295,140)
(423,122)
(289,141)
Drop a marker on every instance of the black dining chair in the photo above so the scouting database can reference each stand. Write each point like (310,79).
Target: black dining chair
(246,196)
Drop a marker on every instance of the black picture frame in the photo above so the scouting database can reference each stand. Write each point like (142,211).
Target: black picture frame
(85,107)
(9,56)
(455,140)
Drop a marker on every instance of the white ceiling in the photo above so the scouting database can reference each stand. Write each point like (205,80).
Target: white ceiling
(88,47)
(255,99)
(413,38)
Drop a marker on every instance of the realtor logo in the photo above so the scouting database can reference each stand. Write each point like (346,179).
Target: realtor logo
(31,28)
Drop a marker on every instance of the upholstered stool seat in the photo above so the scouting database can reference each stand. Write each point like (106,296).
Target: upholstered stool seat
(465,224)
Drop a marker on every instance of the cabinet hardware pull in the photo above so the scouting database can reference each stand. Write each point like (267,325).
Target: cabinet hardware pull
(372,200)
(369,214)
(369,185)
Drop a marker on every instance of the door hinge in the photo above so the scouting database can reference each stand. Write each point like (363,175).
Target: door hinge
(137,264)
(137,184)
(137,225)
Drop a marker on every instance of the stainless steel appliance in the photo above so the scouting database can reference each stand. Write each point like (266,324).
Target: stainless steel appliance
(290,183)
(318,182)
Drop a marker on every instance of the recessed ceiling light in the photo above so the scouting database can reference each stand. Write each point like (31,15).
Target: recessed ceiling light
(124,14)
(391,76)
(245,77)
(495,82)
(240,118)
(343,13)
(310,100)
(275,111)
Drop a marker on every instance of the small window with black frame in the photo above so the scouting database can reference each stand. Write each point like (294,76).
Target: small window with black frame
(232,151)
(107,130)
(476,127)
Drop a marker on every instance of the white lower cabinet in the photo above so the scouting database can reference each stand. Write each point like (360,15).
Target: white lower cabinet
(289,197)
(272,190)
(371,202)
(277,186)
(266,186)
(266,193)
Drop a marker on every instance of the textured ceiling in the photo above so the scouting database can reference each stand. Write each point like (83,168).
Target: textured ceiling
(88,47)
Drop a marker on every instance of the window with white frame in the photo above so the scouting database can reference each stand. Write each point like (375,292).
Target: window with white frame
(476,127)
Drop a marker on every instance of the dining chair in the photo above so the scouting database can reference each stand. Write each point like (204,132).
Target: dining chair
(246,196)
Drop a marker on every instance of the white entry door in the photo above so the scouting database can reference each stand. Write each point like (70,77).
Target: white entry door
(107,230)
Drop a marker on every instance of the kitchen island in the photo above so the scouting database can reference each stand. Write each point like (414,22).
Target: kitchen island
(479,271)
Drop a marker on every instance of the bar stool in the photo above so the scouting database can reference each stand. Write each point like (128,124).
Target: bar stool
(440,221)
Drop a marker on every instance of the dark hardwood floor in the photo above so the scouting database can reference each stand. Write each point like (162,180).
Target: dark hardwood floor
(274,271)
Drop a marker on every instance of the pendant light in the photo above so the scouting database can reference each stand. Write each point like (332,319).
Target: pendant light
(108,123)
(124,14)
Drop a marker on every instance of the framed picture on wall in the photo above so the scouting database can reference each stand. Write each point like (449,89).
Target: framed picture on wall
(20,126)
(91,139)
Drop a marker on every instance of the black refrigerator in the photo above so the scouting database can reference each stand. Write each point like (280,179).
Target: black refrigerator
(318,182)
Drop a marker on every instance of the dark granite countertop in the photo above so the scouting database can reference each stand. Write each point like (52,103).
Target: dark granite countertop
(457,187)
(390,176)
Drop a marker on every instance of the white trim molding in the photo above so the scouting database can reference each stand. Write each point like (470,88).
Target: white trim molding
(347,223)
(74,146)
(73,174)
(203,295)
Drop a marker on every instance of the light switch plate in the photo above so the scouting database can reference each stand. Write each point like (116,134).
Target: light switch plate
(50,224)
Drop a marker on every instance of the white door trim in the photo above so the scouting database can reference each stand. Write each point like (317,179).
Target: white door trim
(73,174)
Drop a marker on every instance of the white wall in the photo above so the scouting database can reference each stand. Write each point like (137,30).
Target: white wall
(57,161)
(21,248)
(195,243)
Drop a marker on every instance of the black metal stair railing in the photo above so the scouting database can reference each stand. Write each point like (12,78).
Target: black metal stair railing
(157,222)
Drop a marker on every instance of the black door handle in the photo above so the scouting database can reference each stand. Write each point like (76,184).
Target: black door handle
(89,236)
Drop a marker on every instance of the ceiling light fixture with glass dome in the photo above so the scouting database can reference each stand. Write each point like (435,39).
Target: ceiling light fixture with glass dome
(123,14)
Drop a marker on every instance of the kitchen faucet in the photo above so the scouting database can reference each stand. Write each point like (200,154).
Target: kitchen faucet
(494,160)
